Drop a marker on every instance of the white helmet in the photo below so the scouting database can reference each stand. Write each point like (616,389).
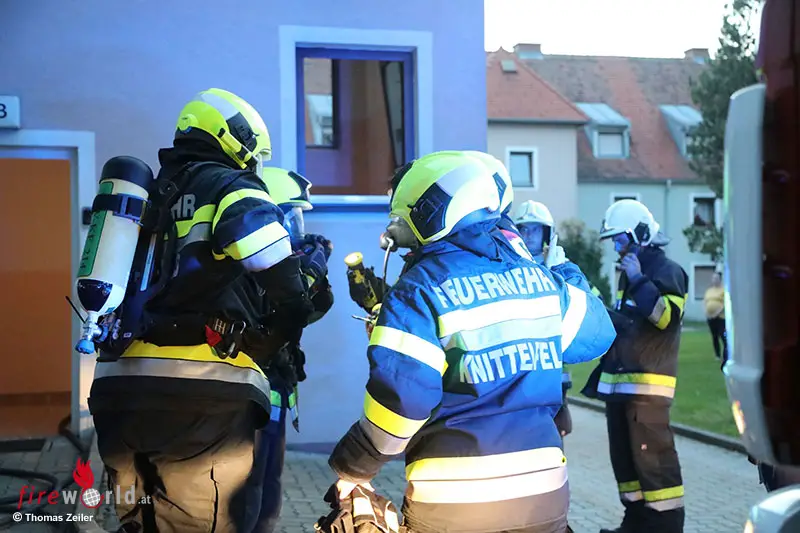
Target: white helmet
(631,217)
(534,212)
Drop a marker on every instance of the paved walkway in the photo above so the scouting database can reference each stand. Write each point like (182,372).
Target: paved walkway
(721,486)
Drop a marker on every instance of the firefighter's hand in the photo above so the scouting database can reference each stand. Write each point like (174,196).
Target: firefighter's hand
(346,487)
(313,261)
(630,264)
(315,238)
(555,254)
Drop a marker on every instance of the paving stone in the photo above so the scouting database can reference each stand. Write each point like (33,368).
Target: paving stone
(721,486)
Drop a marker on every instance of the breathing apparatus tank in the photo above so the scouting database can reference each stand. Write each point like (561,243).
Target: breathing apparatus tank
(110,246)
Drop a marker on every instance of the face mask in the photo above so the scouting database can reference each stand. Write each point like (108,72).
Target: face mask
(622,244)
(401,233)
(294,223)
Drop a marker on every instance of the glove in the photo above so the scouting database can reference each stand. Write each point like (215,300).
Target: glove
(313,239)
(555,254)
(373,319)
(313,261)
(563,419)
(630,264)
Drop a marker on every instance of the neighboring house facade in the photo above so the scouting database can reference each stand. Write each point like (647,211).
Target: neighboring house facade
(349,92)
(533,129)
(632,144)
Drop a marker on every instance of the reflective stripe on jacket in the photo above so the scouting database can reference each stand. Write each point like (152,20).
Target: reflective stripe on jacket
(647,316)
(191,372)
(466,367)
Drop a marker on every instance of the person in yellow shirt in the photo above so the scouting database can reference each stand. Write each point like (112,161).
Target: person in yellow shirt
(714,302)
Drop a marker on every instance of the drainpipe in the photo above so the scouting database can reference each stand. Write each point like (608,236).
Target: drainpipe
(667,191)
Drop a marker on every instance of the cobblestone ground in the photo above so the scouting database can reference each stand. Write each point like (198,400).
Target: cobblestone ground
(58,458)
(721,486)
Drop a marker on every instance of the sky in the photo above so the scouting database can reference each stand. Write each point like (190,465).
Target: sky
(637,28)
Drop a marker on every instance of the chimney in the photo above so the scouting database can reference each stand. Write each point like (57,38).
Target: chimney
(698,55)
(528,50)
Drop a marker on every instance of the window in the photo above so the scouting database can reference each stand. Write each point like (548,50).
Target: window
(704,212)
(702,280)
(319,82)
(521,166)
(616,197)
(610,144)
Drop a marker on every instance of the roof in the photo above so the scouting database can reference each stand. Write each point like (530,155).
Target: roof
(603,115)
(637,89)
(514,92)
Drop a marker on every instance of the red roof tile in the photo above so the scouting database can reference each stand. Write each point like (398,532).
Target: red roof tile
(523,95)
(635,88)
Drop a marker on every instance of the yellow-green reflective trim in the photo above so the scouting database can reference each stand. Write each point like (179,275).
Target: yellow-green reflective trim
(233,197)
(256,241)
(663,494)
(629,486)
(389,421)
(275,398)
(640,379)
(409,345)
(203,215)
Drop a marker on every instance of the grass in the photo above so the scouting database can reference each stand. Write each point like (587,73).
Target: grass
(701,400)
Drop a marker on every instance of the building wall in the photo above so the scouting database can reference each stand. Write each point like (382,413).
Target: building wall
(556,162)
(672,207)
(124,70)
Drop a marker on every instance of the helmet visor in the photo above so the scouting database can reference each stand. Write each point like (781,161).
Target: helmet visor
(294,223)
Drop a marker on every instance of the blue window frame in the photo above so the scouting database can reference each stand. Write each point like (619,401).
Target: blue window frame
(406,57)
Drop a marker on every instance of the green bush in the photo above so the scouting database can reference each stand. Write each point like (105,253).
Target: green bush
(583,248)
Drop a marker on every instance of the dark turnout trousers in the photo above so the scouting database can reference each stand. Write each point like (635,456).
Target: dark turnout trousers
(542,513)
(193,467)
(646,465)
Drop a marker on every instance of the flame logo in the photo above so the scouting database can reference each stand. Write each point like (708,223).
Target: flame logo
(83,475)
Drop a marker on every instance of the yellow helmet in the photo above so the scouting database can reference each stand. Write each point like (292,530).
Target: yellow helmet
(443,192)
(501,176)
(287,188)
(237,127)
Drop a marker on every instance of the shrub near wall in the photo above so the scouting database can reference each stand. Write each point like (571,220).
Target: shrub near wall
(583,248)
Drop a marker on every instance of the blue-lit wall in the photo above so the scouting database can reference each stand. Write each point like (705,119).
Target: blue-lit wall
(124,70)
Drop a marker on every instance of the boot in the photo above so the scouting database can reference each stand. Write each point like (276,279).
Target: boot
(632,521)
(663,521)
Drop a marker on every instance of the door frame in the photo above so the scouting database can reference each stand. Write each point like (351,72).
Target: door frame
(79,148)
(418,44)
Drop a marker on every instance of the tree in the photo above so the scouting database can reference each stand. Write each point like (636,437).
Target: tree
(732,68)
(583,248)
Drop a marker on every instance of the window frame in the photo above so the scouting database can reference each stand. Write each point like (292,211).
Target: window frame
(626,141)
(693,197)
(693,296)
(533,152)
(613,196)
(335,106)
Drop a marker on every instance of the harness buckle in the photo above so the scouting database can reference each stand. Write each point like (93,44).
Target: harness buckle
(219,332)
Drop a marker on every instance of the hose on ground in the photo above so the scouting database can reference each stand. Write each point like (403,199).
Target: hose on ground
(9,504)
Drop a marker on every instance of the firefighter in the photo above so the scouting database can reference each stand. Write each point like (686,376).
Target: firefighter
(176,415)
(290,191)
(465,363)
(536,227)
(638,375)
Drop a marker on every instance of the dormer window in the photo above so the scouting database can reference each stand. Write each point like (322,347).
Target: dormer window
(608,131)
(681,121)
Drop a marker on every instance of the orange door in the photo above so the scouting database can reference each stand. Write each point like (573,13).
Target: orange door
(35,275)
